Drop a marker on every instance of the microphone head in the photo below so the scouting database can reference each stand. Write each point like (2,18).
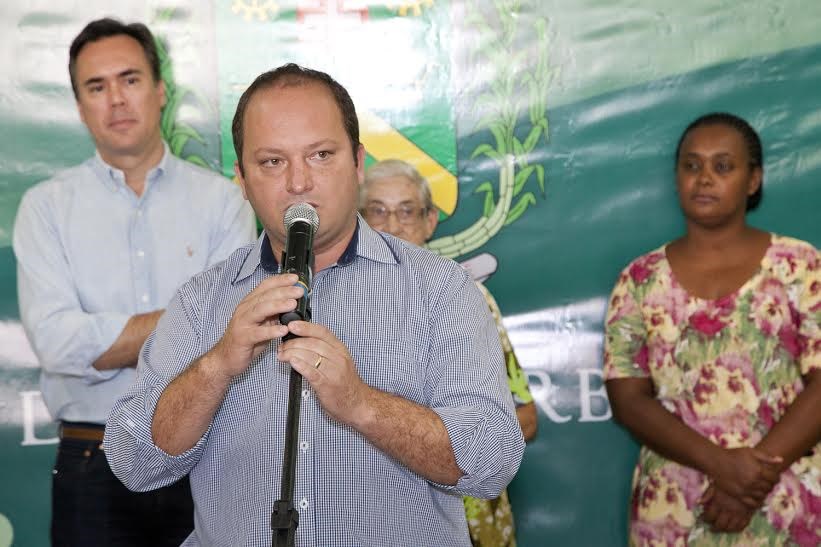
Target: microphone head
(301,212)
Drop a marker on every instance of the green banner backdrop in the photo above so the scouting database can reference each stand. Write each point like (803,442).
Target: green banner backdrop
(547,129)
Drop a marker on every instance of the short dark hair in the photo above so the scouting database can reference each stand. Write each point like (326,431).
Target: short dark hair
(292,74)
(751,140)
(106,28)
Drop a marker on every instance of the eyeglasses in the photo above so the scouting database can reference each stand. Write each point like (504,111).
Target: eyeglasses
(405,214)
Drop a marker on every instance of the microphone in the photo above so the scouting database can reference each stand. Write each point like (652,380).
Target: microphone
(301,222)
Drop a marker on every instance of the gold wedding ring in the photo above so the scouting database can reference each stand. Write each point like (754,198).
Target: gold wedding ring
(318,362)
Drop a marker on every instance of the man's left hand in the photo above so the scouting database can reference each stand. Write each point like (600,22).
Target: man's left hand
(318,355)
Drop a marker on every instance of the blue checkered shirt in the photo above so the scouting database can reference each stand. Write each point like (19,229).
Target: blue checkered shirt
(415,325)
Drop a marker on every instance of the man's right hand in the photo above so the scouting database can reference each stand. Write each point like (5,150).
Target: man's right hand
(255,323)
(187,406)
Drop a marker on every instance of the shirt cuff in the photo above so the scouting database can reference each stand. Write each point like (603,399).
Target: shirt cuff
(181,464)
(464,426)
(108,327)
(139,463)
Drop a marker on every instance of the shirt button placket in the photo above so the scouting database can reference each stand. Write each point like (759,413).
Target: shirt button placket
(139,235)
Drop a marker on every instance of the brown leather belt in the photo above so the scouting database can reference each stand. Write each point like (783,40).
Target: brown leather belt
(82,433)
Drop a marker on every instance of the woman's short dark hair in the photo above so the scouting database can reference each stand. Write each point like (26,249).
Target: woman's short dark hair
(751,140)
(293,74)
(106,28)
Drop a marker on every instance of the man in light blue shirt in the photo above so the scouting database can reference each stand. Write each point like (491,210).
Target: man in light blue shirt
(101,248)
(405,405)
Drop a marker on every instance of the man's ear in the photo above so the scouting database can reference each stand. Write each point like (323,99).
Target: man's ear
(431,221)
(161,89)
(360,163)
(80,112)
(240,178)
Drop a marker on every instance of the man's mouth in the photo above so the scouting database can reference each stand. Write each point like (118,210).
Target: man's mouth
(122,124)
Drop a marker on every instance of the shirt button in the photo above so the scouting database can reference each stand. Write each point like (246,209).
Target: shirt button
(144,298)
(305,393)
(304,446)
(303,503)
(140,253)
(139,212)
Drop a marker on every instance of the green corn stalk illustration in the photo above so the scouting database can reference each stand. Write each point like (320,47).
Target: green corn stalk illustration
(176,133)
(513,80)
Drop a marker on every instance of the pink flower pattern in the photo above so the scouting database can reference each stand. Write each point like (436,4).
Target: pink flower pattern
(728,368)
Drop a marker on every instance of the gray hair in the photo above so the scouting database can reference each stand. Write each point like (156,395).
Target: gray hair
(396,168)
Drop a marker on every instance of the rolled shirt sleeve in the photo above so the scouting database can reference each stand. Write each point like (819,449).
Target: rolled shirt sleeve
(470,393)
(134,458)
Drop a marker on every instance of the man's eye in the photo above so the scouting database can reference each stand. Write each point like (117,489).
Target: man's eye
(271,162)
(322,154)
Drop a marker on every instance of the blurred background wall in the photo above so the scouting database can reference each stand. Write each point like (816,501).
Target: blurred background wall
(546,127)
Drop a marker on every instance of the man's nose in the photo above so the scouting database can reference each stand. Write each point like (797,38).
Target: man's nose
(299,178)
(115,94)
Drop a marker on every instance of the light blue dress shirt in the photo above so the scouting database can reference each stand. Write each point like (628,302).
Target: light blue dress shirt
(415,325)
(91,253)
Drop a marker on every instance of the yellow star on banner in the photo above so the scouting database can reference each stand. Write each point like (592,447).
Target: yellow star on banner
(260,9)
(384,142)
(415,8)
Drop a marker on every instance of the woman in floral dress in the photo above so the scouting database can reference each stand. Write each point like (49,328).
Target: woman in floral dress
(713,362)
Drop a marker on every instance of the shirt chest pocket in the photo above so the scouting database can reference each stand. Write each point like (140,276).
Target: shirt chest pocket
(392,366)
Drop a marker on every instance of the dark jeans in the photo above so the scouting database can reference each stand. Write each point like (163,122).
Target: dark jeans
(90,506)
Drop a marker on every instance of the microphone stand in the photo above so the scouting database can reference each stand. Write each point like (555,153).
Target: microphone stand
(285,517)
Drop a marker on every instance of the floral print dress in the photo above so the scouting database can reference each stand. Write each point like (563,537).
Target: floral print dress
(728,368)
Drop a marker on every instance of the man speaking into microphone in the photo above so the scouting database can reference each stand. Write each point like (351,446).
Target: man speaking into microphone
(405,406)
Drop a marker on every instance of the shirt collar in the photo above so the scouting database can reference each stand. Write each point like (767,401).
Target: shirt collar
(373,245)
(266,255)
(350,251)
(253,259)
(115,178)
(365,243)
